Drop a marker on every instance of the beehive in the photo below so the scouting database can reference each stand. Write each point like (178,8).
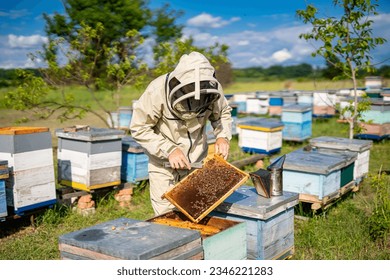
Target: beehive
(361,147)
(89,158)
(275,105)
(260,135)
(379,112)
(4,174)
(125,114)
(269,221)
(374,131)
(222,239)
(305,98)
(202,190)
(311,173)
(128,239)
(29,153)
(297,121)
(324,104)
(134,161)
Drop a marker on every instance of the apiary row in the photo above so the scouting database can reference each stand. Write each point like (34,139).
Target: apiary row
(326,169)
(88,159)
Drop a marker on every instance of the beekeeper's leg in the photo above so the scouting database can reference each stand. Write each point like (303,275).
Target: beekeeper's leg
(160,182)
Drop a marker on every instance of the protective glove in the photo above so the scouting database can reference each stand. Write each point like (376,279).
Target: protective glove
(222,147)
(178,160)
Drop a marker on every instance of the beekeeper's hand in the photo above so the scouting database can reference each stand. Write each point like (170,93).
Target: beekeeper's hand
(222,147)
(178,160)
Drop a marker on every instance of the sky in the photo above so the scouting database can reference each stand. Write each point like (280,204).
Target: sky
(258,32)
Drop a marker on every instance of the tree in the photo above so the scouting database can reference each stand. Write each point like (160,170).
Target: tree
(167,55)
(82,55)
(118,17)
(348,37)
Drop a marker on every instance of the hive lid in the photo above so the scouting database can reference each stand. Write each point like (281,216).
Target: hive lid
(90,134)
(313,162)
(129,239)
(348,156)
(246,202)
(132,146)
(204,189)
(266,124)
(340,143)
(16,130)
(300,108)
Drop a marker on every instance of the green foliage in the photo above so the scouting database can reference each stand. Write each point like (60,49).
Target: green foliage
(346,41)
(379,220)
(363,105)
(167,54)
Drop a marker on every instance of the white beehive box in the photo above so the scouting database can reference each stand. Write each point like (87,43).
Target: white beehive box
(89,158)
(31,182)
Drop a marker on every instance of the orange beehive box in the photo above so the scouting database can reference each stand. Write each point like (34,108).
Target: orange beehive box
(205,188)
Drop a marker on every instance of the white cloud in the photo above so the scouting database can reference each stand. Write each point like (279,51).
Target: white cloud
(207,20)
(14,14)
(281,55)
(26,41)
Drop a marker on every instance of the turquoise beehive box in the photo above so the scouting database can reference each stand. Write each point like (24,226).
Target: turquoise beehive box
(4,174)
(311,173)
(269,221)
(340,144)
(297,120)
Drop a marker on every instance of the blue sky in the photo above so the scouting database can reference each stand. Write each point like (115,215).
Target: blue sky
(259,33)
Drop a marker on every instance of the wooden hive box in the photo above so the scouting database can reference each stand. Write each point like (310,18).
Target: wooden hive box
(128,239)
(347,169)
(4,174)
(125,114)
(134,161)
(202,190)
(269,221)
(297,120)
(222,239)
(374,131)
(89,158)
(361,147)
(29,153)
(312,174)
(379,112)
(261,135)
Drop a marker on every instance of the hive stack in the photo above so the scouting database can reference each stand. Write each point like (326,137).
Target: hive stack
(134,161)
(269,221)
(263,136)
(324,104)
(339,144)
(377,121)
(31,182)
(89,158)
(316,176)
(128,239)
(297,120)
(4,174)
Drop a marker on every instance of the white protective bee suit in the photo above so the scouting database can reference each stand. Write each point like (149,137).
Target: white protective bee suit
(172,113)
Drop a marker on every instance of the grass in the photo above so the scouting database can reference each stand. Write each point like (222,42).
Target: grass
(341,232)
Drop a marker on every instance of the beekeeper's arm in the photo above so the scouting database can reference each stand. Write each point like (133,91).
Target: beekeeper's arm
(146,114)
(221,121)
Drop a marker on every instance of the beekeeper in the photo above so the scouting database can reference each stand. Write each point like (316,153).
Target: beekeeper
(169,122)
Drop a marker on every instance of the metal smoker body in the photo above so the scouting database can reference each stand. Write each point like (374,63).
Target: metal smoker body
(269,182)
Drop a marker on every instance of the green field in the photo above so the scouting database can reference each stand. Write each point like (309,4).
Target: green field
(340,232)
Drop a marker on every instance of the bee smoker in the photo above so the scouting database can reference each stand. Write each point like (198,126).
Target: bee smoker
(269,182)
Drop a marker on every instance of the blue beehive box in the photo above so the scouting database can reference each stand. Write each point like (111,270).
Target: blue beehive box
(312,174)
(297,120)
(128,239)
(125,115)
(269,221)
(361,147)
(4,174)
(260,135)
(134,161)
(379,112)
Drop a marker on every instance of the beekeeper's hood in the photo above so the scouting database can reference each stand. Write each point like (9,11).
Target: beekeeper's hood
(192,86)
